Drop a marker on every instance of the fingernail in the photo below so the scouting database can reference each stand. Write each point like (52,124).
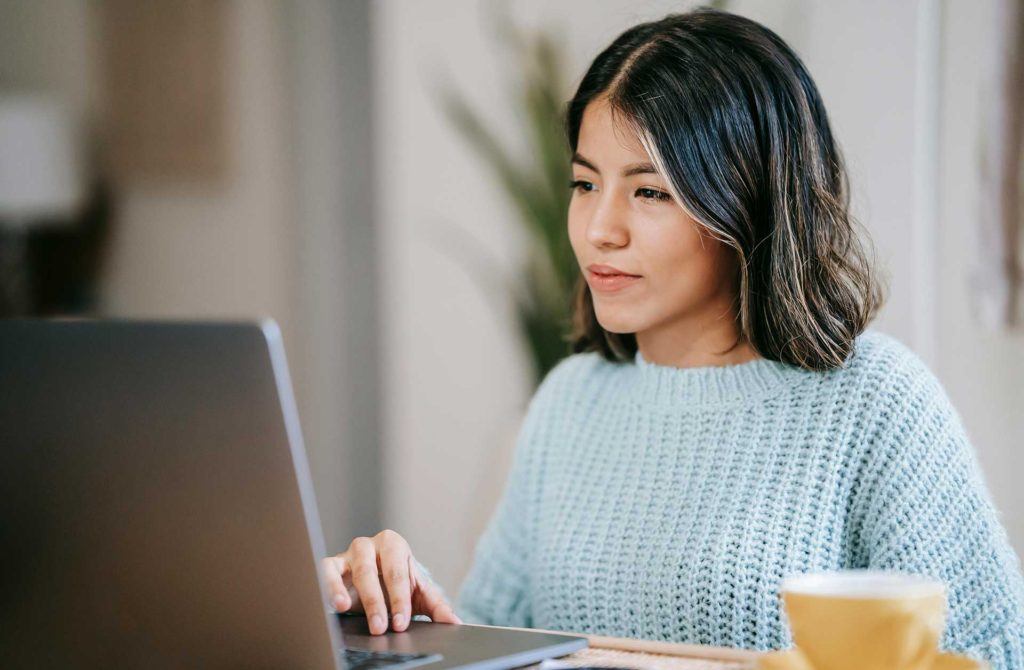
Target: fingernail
(399,620)
(377,623)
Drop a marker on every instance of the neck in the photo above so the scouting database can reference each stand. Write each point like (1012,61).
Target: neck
(696,341)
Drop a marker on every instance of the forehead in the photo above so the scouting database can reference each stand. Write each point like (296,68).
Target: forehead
(607,137)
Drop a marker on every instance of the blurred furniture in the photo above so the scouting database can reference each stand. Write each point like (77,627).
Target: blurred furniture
(40,186)
(165,84)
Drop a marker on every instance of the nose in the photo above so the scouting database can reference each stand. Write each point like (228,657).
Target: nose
(607,226)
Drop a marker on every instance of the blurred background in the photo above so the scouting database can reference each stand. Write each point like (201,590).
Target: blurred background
(382,178)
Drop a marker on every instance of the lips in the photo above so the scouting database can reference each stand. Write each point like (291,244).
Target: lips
(608,279)
(601,269)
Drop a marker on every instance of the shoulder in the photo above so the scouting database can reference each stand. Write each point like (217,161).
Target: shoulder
(874,350)
(908,404)
(891,394)
(887,369)
(914,440)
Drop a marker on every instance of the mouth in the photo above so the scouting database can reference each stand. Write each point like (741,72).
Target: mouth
(610,282)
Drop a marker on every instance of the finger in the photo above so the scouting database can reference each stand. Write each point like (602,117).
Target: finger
(394,565)
(333,569)
(363,557)
(428,600)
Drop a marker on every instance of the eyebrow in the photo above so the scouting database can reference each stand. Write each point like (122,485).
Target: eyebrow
(628,171)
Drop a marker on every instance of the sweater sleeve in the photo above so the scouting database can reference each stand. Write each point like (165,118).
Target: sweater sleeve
(496,588)
(930,512)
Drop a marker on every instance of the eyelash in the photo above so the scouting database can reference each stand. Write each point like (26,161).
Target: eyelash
(660,196)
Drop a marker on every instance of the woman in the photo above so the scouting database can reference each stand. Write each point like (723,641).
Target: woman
(724,421)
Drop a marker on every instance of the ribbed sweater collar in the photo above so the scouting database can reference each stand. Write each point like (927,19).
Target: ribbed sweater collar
(722,384)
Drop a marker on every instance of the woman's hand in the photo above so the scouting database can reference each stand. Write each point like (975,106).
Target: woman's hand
(377,575)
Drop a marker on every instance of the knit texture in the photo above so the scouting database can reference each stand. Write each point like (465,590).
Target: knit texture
(665,503)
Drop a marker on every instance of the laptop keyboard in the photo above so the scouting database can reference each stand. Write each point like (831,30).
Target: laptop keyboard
(365,659)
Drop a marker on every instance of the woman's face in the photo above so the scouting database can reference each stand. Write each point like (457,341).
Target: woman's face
(622,215)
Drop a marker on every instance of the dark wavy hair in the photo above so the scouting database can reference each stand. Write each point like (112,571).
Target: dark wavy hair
(736,126)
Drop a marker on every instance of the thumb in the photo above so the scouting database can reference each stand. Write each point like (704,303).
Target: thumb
(428,599)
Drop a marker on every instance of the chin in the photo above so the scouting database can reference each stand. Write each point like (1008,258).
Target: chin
(620,324)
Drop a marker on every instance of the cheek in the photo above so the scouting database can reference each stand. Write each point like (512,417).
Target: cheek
(672,250)
(685,266)
(577,227)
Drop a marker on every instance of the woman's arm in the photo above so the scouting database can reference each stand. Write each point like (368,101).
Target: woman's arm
(930,512)
(496,589)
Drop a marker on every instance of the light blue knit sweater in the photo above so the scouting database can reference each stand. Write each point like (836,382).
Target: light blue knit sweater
(664,503)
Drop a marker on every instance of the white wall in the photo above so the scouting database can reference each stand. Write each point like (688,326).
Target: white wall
(50,45)
(202,249)
(337,302)
(456,383)
(982,370)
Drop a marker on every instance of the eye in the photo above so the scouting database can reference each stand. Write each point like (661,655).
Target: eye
(653,194)
(578,184)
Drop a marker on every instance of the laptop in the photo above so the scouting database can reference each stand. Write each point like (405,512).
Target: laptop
(157,511)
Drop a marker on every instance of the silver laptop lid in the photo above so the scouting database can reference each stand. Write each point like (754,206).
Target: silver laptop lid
(156,507)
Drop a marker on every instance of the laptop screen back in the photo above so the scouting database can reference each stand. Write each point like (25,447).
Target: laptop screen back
(153,510)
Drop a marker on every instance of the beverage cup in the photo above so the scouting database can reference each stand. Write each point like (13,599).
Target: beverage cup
(866,619)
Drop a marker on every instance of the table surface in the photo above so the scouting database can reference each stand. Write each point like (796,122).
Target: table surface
(621,658)
(621,652)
